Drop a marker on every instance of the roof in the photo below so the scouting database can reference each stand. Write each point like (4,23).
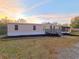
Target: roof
(32,24)
(25,23)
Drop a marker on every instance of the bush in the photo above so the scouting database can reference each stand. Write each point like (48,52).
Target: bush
(3,29)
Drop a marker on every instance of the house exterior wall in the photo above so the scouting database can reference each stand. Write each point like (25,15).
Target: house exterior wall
(24,29)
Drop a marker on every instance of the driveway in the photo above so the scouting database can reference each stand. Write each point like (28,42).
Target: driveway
(69,53)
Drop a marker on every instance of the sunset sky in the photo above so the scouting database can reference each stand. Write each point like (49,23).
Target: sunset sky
(58,10)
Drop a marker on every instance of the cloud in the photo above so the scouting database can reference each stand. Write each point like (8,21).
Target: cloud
(63,18)
(43,2)
(13,8)
(10,7)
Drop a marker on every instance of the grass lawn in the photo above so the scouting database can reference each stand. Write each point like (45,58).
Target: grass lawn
(34,47)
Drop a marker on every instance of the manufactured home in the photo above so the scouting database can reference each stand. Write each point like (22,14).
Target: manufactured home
(18,29)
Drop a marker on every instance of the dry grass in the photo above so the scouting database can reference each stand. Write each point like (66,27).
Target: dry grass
(34,47)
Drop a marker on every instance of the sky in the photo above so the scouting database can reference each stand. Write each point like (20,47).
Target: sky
(40,10)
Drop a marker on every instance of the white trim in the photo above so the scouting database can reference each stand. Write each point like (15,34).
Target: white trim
(24,33)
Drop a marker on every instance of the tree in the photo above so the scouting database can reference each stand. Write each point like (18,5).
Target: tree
(21,20)
(75,22)
(6,20)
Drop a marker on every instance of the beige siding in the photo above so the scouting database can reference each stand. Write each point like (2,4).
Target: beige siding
(25,29)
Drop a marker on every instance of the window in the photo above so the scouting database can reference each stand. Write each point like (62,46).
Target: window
(16,27)
(34,27)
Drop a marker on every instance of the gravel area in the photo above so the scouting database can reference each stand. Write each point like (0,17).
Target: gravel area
(69,53)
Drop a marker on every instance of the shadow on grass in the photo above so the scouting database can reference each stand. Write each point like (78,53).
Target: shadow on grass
(34,37)
(69,34)
(74,35)
(8,38)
